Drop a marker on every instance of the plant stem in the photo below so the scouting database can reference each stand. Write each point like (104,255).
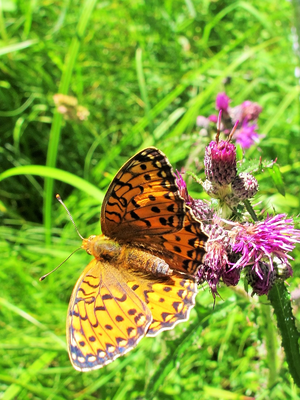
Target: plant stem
(250,210)
(271,342)
(280,300)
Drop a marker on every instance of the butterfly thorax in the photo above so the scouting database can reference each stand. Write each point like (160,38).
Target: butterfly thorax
(132,258)
(101,247)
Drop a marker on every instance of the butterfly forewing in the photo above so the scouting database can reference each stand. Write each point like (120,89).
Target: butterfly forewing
(185,249)
(143,198)
(105,318)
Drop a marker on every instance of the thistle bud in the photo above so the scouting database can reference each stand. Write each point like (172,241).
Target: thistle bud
(220,162)
(244,186)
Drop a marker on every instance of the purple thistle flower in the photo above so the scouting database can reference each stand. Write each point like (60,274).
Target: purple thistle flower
(182,187)
(247,111)
(222,102)
(220,162)
(250,110)
(264,242)
(231,276)
(202,210)
(202,122)
(261,248)
(213,118)
(246,135)
(216,258)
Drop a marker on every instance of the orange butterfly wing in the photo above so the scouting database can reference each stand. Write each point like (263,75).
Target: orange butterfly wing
(182,250)
(105,317)
(111,310)
(169,299)
(143,199)
(143,207)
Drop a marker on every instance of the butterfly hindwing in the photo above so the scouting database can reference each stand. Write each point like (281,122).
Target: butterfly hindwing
(105,318)
(143,198)
(169,299)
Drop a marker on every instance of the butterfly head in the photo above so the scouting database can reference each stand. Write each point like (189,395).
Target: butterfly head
(87,244)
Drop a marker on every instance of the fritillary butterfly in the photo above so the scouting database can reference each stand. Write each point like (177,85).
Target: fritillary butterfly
(142,278)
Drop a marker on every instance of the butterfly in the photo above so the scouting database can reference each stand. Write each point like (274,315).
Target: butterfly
(142,279)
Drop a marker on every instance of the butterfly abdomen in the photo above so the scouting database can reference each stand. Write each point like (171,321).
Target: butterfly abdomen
(139,260)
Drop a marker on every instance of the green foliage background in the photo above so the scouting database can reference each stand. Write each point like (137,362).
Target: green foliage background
(145,70)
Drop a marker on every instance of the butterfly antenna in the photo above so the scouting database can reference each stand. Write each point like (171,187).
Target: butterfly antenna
(44,276)
(70,216)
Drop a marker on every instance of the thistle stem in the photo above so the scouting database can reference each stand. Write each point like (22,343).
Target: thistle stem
(250,210)
(271,342)
(280,300)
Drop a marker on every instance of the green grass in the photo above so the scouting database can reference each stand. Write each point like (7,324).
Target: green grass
(145,71)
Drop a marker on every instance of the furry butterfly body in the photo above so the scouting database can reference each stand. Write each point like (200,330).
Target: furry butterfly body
(142,278)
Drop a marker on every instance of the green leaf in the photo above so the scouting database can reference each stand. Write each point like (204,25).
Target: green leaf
(239,152)
(249,166)
(55,173)
(275,174)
